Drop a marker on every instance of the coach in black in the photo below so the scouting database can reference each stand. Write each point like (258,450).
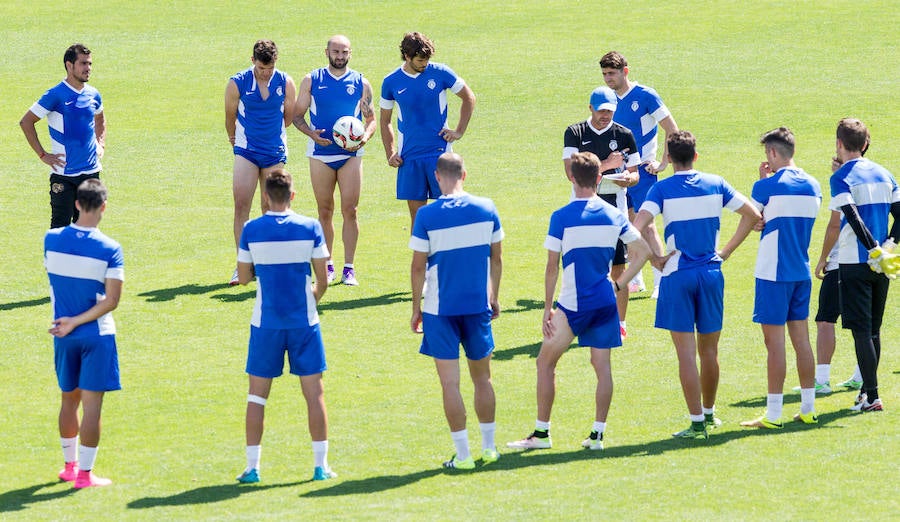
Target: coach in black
(619,158)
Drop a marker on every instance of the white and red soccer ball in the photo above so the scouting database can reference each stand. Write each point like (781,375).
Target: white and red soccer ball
(348,131)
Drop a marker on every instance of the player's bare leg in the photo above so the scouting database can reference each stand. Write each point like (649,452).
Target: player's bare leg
(414,206)
(349,180)
(323,179)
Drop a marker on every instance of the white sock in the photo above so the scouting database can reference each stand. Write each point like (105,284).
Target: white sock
(856,375)
(657,275)
(708,411)
(253,453)
(487,435)
(86,457)
(348,265)
(599,427)
(461,441)
(774,405)
(320,453)
(823,373)
(70,448)
(541,425)
(697,418)
(638,279)
(807,400)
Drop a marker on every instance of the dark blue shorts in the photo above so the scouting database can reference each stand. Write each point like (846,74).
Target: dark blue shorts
(87,363)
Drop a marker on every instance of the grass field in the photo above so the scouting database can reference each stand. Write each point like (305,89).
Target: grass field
(173,437)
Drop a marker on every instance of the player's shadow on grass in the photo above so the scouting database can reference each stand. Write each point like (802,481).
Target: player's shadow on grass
(169,294)
(522,305)
(531,350)
(24,304)
(206,495)
(18,499)
(532,458)
(350,304)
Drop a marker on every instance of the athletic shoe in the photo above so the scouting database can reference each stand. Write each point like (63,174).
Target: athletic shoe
(807,418)
(234,279)
(489,456)
(321,473)
(858,401)
(821,389)
(330,274)
(87,479)
(692,433)
(762,422)
(250,476)
(865,406)
(850,384)
(348,277)
(69,473)
(593,442)
(455,463)
(532,441)
(712,421)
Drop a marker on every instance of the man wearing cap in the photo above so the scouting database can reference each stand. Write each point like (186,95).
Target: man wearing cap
(619,158)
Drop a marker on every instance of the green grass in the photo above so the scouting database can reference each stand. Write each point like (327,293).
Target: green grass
(173,437)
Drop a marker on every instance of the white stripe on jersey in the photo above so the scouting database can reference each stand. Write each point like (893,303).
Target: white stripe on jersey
(872,193)
(844,198)
(694,207)
(281,252)
(590,236)
(80,267)
(464,236)
(767,257)
(791,206)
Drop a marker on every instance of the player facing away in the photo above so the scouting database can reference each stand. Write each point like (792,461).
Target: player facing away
(583,235)
(456,243)
(789,200)
(327,94)
(691,296)
(259,107)
(86,272)
(418,89)
(643,112)
(283,250)
(864,194)
(77,125)
(614,145)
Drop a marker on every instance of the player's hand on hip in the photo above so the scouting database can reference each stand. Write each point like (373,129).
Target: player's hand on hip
(450,135)
(54,160)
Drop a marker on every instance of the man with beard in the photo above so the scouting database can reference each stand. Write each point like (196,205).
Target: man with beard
(327,94)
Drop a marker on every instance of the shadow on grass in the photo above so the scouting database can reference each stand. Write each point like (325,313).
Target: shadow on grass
(24,304)
(789,398)
(522,305)
(350,304)
(18,499)
(206,495)
(532,458)
(169,294)
(531,350)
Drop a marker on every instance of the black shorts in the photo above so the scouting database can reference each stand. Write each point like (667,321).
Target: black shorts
(621,256)
(62,198)
(829,298)
(863,297)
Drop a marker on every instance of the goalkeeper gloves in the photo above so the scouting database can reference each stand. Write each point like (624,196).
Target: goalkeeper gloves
(882,261)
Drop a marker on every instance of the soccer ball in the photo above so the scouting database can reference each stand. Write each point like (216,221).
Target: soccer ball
(348,131)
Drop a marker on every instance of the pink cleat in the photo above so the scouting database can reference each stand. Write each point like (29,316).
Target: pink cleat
(87,479)
(69,472)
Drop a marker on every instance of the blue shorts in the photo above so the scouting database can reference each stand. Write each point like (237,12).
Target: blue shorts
(261,160)
(444,333)
(638,192)
(416,180)
(595,328)
(779,302)
(304,347)
(689,298)
(87,363)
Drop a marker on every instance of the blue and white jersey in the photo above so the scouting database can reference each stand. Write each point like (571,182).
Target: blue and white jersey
(641,110)
(585,233)
(691,204)
(331,98)
(280,245)
(872,189)
(421,103)
(79,260)
(789,201)
(70,117)
(260,123)
(457,232)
